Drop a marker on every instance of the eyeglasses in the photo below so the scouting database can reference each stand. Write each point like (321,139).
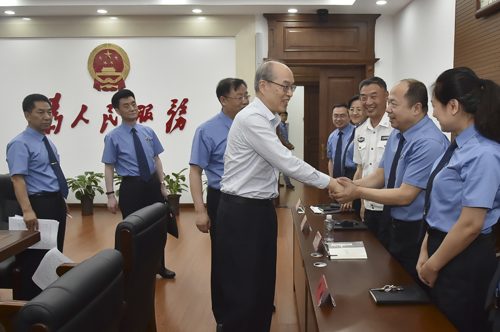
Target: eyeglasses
(286,88)
(340,116)
(241,99)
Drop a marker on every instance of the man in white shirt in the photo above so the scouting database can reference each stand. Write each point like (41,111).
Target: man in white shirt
(369,145)
(247,222)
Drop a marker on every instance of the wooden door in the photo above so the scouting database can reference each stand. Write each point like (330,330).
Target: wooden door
(337,84)
(311,125)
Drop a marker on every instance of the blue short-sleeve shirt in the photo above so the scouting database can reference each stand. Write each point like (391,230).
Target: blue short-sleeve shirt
(471,179)
(209,146)
(332,144)
(424,143)
(28,156)
(284,131)
(119,149)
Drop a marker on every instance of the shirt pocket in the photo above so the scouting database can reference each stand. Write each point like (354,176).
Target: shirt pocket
(380,150)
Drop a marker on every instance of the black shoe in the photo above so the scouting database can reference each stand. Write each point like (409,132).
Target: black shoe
(291,186)
(281,184)
(219,328)
(167,274)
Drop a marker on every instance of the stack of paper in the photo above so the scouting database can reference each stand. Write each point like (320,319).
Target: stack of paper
(346,250)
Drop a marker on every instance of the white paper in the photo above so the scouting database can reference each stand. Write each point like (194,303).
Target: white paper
(318,210)
(347,250)
(46,274)
(47,227)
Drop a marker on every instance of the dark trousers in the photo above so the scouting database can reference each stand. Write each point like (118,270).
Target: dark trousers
(45,207)
(136,194)
(405,244)
(378,226)
(246,264)
(462,284)
(356,204)
(213,198)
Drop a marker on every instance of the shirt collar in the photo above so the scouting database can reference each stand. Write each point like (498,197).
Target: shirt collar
(466,135)
(384,122)
(413,130)
(34,133)
(127,127)
(347,129)
(225,119)
(275,119)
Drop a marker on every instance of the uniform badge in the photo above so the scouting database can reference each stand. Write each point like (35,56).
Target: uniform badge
(384,138)
(147,138)
(109,66)
(361,139)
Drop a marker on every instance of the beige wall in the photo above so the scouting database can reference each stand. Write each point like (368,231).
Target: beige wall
(240,27)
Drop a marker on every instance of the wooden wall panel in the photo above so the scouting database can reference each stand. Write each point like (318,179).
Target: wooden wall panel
(477,41)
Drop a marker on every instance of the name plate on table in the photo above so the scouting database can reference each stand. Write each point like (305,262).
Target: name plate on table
(346,250)
(317,240)
(305,224)
(323,293)
(299,207)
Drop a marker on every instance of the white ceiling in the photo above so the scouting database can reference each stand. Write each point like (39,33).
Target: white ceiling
(33,8)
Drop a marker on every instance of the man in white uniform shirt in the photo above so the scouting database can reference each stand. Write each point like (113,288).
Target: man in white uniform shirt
(369,145)
(247,222)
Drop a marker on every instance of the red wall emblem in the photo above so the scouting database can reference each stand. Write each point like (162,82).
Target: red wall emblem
(109,67)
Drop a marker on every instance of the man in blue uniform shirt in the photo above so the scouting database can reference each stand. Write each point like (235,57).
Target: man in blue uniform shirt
(207,153)
(39,183)
(132,149)
(411,150)
(339,139)
(282,132)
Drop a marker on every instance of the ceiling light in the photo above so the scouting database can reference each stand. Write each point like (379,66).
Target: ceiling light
(26,18)
(292,10)
(202,18)
(197,11)
(113,18)
(381,2)
(9,12)
(102,11)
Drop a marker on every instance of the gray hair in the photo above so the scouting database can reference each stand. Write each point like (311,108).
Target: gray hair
(265,72)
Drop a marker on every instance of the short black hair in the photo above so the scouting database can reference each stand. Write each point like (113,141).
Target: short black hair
(125,93)
(417,93)
(352,100)
(340,105)
(29,101)
(373,80)
(226,85)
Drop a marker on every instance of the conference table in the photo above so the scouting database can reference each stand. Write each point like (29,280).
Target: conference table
(13,242)
(349,282)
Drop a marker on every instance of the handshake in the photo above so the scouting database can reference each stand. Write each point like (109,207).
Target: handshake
(343,190)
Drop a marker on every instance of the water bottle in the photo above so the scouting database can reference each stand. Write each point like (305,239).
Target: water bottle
(328,228)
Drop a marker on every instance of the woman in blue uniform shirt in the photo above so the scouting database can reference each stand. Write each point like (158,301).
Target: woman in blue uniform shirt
(457,258)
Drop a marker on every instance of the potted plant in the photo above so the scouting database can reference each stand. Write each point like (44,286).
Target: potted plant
(175,185)
(85,187)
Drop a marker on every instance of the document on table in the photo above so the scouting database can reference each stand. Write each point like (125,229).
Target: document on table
(46,274)
(48,231)
(346,250)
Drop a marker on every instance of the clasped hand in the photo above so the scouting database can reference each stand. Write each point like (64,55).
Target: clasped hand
(349,193)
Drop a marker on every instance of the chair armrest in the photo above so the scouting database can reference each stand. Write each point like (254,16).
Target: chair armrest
(8,313)
(65,267)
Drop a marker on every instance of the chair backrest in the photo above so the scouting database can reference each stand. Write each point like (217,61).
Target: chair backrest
(141,238)
(8,202)
(87,298)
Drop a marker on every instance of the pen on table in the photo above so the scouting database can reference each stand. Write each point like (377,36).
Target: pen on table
(69,215)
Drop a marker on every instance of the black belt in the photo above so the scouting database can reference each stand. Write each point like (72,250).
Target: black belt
(399,222)
(244,200)
(47,194)
(436,232)
(351,168)
(136,178)
(213,189)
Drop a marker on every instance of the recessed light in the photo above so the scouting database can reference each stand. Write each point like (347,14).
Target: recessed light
(292,10)
(381,2)
(202,18)
(102,11)
(113,18)
(9,12)
(26,18)
(197,11)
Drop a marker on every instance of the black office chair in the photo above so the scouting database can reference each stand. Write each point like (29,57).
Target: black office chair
(87,298)
(8,208)
(141,238)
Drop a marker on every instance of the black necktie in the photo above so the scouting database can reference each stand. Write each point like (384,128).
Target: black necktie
(392,175)
(446,158)
(337,162)
(63,185)
(347,148)
(141,157)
